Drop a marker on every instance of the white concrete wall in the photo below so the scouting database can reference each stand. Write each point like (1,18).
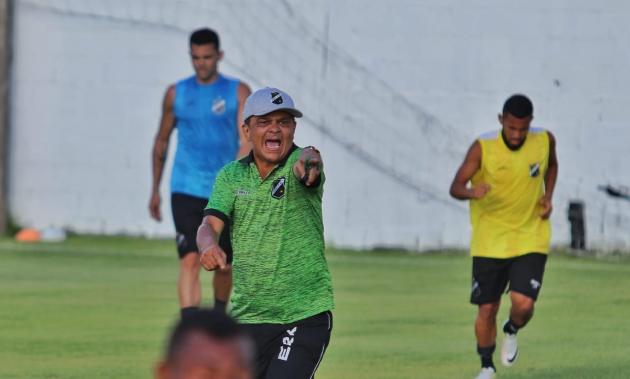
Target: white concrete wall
(394,92)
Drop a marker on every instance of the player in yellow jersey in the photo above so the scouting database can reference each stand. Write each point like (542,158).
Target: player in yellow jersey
(512,173)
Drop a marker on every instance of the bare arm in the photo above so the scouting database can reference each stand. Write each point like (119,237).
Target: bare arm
(212,257)
(243,92)
(472,163)
(550,179)
(309,166)
(160,148)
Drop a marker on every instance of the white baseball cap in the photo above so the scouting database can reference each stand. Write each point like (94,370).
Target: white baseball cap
(267,100)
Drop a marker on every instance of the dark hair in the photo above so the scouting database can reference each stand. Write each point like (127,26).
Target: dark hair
(519,106)
(209,322)
(205,36)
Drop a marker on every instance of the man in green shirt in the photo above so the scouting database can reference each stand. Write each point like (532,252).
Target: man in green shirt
(272,199)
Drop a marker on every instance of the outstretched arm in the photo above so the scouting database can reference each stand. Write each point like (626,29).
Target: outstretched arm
(160,148)
(472,163)
(308,168)
(550,179)
(212,257)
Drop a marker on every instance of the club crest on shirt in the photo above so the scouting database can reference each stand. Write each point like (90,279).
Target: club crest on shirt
(218,106)
(534,169)
(277,188)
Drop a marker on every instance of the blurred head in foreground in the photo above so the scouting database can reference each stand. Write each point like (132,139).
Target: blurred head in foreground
(207,345)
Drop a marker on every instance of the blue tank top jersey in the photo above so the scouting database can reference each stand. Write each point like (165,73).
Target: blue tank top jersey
(207,135)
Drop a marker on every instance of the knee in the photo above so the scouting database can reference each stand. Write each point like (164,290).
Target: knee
(526,310)
(522,310)
(488,313)
(523,304)
(190,263)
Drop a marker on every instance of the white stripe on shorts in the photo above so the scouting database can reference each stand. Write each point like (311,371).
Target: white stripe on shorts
(318,361)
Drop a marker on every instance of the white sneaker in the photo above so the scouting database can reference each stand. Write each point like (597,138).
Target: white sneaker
(509,350)
(486,373)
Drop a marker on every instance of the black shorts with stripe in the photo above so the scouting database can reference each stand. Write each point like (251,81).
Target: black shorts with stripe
(291,351)
(491,277)
(187,215)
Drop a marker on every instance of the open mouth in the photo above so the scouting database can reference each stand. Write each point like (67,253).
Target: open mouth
(272,144)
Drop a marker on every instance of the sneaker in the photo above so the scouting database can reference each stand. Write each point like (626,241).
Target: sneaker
(486,373)
(509,350)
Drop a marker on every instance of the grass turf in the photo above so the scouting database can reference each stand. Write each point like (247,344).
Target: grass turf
(95,307)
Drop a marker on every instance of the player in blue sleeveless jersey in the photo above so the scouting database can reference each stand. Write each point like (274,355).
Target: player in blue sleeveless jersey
(205,109)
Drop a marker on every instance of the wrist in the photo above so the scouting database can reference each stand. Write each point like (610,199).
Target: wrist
(208,244)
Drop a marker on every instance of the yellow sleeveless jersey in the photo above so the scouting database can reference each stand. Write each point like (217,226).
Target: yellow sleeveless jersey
(506,222)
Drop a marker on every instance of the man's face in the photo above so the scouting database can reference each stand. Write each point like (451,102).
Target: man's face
(515,129)
(271,135)
(206,358)
(205,60)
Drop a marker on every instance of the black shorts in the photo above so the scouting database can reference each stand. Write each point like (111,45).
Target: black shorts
(491,276)
(290,351)
(187,215)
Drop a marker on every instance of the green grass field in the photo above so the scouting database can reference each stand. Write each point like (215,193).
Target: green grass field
(101,307)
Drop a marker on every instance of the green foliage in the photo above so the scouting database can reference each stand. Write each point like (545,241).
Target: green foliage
(95,307)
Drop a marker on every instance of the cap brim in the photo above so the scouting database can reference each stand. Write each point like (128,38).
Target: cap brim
(294,112)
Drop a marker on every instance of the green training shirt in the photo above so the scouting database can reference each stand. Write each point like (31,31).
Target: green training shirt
(279,271)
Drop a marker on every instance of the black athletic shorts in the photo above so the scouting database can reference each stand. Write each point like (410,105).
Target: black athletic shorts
(290,351)
(187,215)
(491,276)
